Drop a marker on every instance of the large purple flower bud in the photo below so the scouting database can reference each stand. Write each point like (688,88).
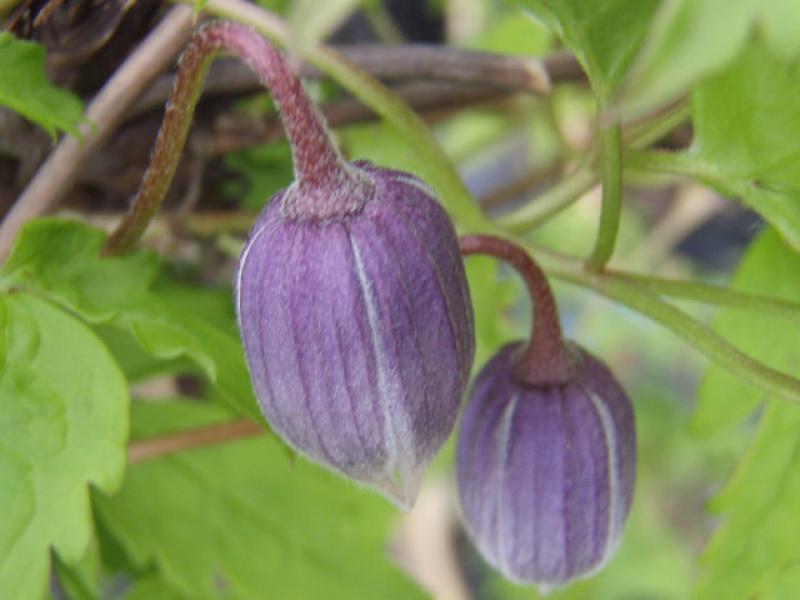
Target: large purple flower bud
(354,309)
(546,454)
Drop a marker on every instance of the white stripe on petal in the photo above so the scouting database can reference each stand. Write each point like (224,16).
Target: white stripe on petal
(501,459)
(616,515)
(242,263)
(396,422)
(417,183)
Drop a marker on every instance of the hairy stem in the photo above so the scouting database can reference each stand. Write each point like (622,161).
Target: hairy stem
(317,162)
(545,360)
(435,166)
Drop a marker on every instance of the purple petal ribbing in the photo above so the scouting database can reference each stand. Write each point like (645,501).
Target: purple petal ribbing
(546,473)
(358,331)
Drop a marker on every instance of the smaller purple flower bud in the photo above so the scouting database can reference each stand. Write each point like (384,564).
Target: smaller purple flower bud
(546,455)
(546,472)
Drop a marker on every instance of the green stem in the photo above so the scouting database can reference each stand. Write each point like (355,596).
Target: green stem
(437,168)
(711,294)
(574,186)
(641,135)
(611,142)
(551,202)
(672,163)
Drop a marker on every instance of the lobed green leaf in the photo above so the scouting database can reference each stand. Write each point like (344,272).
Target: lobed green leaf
(754,552)
(63,426)
(242,520)
(117,291)
(693,39)
(604,36)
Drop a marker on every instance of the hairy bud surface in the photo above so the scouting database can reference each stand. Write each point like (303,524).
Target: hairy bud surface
(358,326)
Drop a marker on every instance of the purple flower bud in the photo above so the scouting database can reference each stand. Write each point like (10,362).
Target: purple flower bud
(546,472)
(358,326)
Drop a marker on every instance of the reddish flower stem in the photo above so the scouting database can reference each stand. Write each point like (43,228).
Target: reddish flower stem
(318,164)
(546,359)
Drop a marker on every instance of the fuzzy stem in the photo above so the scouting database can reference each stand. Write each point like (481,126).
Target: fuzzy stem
(546,359)
(317,162)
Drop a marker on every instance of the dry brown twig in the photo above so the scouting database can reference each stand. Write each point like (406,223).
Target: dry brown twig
(148,449)
(53,180)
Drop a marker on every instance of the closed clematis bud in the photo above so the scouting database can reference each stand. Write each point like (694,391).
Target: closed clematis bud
(353,307)
(546,454)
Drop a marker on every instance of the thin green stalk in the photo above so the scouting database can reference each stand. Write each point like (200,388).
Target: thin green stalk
(585,177)
(673,163)
(438,169)
(641,135)
(712,294)
(703,338)
(551,202)
(611,211)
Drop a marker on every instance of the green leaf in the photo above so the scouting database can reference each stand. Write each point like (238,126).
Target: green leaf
(242,520)
(604,36)
(63,425)
(754,550)
(692,39)
(759,537)
(747,122)
(169,332)
(769,267)
(152,588)
(25,88)
(61,260)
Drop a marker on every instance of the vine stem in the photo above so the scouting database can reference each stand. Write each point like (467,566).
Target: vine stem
(711,294)
(318,164)
(611,146)
(546,359)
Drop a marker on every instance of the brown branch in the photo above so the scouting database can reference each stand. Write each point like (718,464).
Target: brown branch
(446,63)
(200,437)
(400,63)
(54,179)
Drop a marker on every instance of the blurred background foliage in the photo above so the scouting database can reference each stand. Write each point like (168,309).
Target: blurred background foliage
(715,511)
